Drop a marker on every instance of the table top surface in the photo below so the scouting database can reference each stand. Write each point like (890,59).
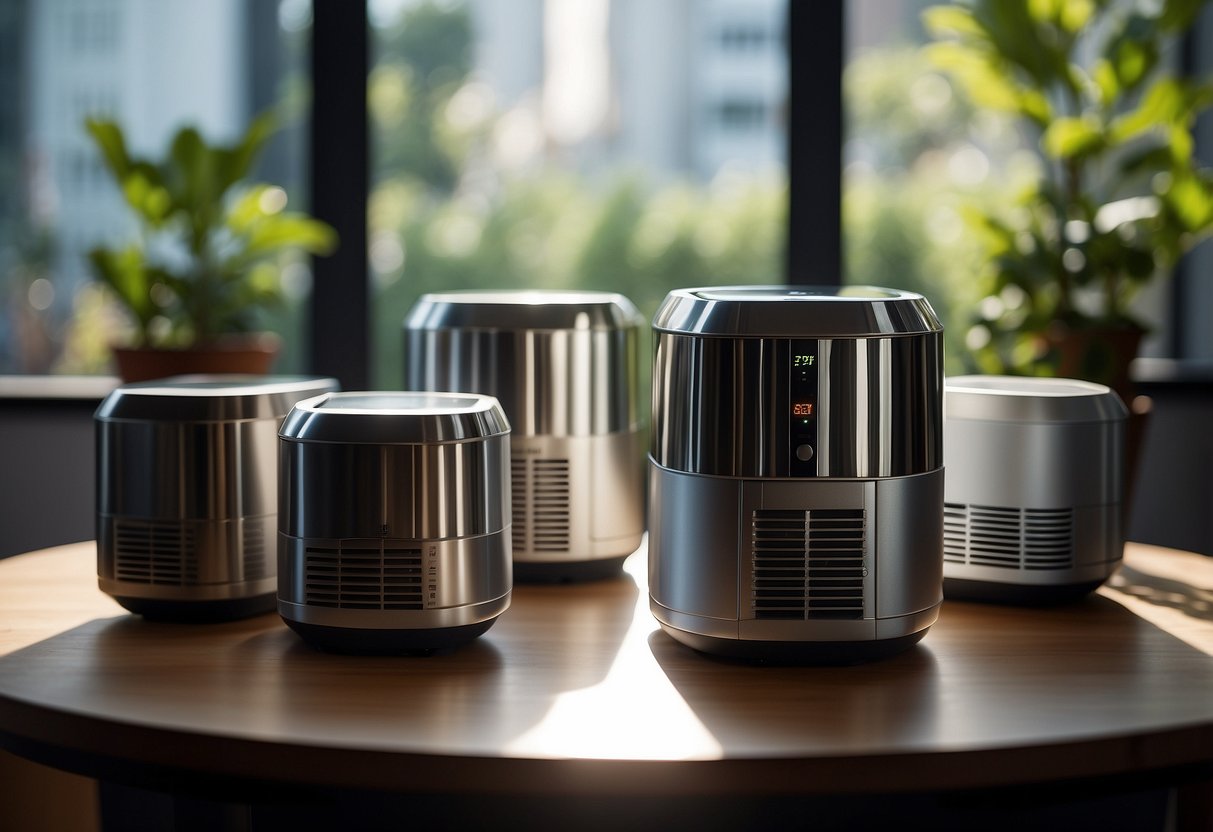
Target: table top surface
(577,690)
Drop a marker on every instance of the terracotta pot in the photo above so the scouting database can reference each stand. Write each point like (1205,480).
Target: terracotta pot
(251,354)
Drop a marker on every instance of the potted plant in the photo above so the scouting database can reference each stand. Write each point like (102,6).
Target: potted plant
(206,258)
(1119,196)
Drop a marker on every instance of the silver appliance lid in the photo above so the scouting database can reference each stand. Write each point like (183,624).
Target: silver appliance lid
(1030,399)
(210,398)
(796,312)
(524,309)
(393,418)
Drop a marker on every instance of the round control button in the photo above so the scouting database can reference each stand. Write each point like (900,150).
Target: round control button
(804,452)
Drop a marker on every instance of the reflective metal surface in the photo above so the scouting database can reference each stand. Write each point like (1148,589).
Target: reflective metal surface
(187,485)
(459,582)
(706,577)
(210,398)
(395,418)
(564,366)
(722,406)
(394,512)
(1034,486)
(796,311)
(560,363)
(577,498)
(417,492)
(1040,400)
(796,470)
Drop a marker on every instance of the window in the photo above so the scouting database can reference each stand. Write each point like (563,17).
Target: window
(916,151)
(572,143)
(154,68)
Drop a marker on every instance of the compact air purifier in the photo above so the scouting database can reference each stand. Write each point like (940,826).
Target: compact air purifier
(187,493)
(564,365)
(1032,500)
(394,526)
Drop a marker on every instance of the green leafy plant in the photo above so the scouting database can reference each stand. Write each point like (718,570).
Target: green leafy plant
(207,254)
(1120,195)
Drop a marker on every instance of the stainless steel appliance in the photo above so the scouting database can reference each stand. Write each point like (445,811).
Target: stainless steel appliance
(1032,510)
(564,365)
(796,471)
(394,522)
(187,492)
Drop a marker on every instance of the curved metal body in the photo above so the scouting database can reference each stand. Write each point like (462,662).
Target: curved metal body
(796,468)
(1033,496)
(187,489)
(564,367)
(394,512)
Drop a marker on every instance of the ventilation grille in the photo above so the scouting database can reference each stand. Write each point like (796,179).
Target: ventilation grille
(1011,538)
(155,553)
(808,564)
(363,575)
(254,550)
(540,504)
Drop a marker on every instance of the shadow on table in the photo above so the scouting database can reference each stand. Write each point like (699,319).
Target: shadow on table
(771,707)
(1192,601)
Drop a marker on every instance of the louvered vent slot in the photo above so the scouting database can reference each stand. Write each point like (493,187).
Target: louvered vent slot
(1009,538)
(549,505)
(154,553)
(363,575)
(955,532)
(254,550)
(1048,538)
(540,498)
(519,489)
(808,564)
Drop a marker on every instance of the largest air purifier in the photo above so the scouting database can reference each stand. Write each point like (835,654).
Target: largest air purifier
(796,471)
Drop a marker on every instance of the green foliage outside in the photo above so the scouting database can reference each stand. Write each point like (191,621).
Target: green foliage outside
(210,247)
(463,223)
(903,226)
(1119,195)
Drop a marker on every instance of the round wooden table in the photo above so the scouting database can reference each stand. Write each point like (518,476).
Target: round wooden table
(576,691)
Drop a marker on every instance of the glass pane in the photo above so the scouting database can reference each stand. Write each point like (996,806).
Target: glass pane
(913,151)
(918,157)
(153,68)
(618,145)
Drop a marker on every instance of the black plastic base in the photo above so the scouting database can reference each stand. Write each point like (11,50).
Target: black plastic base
(573,571)
(198,612)
(360,642)
(796,652)
(1020,595)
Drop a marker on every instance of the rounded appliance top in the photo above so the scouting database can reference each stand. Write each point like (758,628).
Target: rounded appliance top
(796,312)
(1030,399)
(394,418)
(210,398)
(522,310)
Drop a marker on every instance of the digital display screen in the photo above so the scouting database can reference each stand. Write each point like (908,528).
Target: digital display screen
(803,409)
(802,360)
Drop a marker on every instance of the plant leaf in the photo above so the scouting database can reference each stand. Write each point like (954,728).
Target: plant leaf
(108,138)
(1192,202)
(941,21)
(1163,103)
(124,272)
(290,230)
(1068,138)
(234,163)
